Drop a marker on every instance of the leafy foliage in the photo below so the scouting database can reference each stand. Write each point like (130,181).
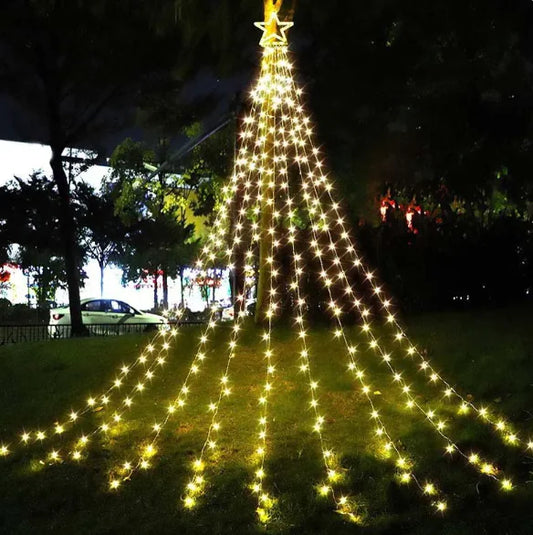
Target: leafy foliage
(155,208)
(32,224)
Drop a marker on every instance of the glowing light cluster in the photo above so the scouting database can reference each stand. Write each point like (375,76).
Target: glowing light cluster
(279,185)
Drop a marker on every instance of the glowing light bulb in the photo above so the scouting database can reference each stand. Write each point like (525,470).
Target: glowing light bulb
(441,506)
(429,488)
(507,484)
(324,490)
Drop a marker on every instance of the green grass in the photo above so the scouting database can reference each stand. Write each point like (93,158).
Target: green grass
(488,353)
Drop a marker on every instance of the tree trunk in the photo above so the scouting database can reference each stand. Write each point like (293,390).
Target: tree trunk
(156,297)
(165,289)
(265,248)
(102,267)
(68,231)
(181,288)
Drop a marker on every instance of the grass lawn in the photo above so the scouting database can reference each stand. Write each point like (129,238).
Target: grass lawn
(487,354)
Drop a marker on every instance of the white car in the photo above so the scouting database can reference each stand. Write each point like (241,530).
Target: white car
(105,316)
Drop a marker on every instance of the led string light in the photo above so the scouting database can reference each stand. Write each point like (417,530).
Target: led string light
(209,252)
(196,485)
(141,385)
(503,428)
(148,451)
(402,463)
(344,504)
(77,451)
(266,502)
(244,168)
(474,458)
(101,401)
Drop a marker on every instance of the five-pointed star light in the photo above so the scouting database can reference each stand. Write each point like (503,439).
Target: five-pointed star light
(271,38)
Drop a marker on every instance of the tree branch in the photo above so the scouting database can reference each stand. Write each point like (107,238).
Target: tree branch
(86,121)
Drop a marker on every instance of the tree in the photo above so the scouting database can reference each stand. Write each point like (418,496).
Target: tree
(440,91)
(271,9)
(103,232)
(68,69)
(157,209)
(31,225)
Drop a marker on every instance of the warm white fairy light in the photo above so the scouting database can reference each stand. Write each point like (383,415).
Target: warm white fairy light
(343,504)
(381,429)
(265,502)
(74,417)
(405,388)
(400,335)
(275,126)
(156,360)
(196,484)
(180,401)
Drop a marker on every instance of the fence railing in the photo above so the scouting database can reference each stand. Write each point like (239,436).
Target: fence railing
(16,333)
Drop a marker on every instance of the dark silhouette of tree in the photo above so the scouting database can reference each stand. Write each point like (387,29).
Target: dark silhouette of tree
(102,231)
(31,226)
(76,69)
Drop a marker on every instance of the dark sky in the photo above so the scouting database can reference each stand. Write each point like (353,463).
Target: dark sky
(396,88)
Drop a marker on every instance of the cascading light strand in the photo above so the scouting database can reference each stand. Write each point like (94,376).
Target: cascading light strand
(208,253)
(78,450)
(79,446)
(197,484)
(265,501)
(149,448)
(486,468)
(344,504)
(245,166)
(405,466)
(500,425)
(60,429)
(407,473)
(474,458)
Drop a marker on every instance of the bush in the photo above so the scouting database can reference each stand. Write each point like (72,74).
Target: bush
(20,313)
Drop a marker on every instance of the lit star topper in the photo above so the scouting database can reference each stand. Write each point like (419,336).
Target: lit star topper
(273,31)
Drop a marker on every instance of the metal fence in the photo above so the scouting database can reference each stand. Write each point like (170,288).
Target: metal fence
(16,333)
